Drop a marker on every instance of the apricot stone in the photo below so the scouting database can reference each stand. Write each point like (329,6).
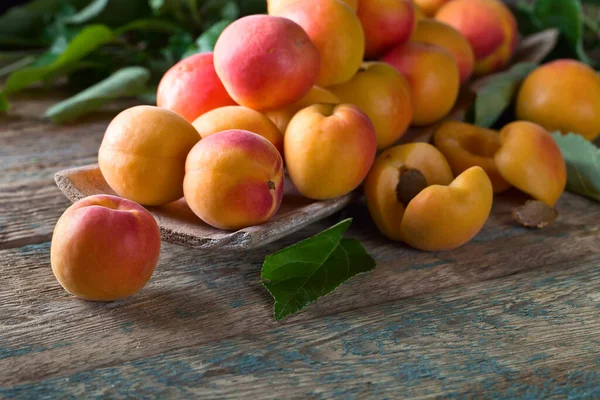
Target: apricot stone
(433,76)
(562,95)
(239,117)
(384,95)
(143,152)
(329,149)
(191,87)
(266,62)
(337,33)
(234,179)
(104,248)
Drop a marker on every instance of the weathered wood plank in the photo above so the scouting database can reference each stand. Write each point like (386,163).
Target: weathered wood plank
(533,335)
(197,298)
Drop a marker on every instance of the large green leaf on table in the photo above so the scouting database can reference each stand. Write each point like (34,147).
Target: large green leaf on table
(494,96)
(126,82)
(567,16)
(298,275)
(583,164)
(84,43)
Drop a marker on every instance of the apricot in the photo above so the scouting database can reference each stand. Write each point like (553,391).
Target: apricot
(282,116)
(337,33)
(386,23)
(430,7)
(530,160)
(273,5)
(433,76)
(562,95)
(234,179)
(437,33)
(104,248)
(465,146)
(266,62)
(488,25)
(384,95)
(329,149)
(440,213)
(419,14)
(143,152)
(191,87)
(239,117)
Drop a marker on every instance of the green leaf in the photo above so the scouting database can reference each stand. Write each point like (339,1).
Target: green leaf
(498,92)
(567,16)
(206,41)
(298,275)
(148,25)
(89,12)
(87,41)
(3,103)
(126,82)
(583,164)
(10,68)
(27,21)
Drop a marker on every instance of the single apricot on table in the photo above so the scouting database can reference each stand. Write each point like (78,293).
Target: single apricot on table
(143,152)
(329,149)
(412,198)
(433,76)
(562,95)
(239,117)
(191,87)
(104,248)
(384,95)
(266,62)
(234,179)
(337,33)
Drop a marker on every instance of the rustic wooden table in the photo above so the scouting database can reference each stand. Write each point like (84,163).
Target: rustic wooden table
(513,314)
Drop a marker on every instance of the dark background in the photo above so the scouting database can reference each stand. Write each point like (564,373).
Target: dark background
(6,4)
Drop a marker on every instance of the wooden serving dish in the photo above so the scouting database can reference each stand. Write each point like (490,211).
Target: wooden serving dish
(179,225)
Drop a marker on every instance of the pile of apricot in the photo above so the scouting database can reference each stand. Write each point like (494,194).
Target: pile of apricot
(316,88)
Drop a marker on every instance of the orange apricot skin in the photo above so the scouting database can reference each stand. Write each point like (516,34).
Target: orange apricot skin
(386,23)
(443,35)
(239,117)
(234,179)
(530,160)
(329,149)
(143,152)
(274,5)
(430,7)
(465,146)
(104,248)
(442,218)
(562,95)
(266,62)
(336,32)
(191,87)
(380,186)
(384,95)
(433,76)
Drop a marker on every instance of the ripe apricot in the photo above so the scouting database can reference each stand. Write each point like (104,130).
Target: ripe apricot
(443,35)
(273,5)
(465,146)
(488,25)
(143,152)
(386,23)
(104,248)
(239,117)
(441,213)
(329,149)
(530,160)
(266,62)
(384,95)
(282,116)
(234,179)
(419,14)
(562,95)
(191,87)
(433,76)
(430,7)
(337,33)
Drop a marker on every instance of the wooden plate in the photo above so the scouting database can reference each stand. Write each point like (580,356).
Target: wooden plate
(179,225)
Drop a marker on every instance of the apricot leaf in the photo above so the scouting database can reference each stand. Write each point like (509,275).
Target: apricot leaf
(583,164)
(497,93)
(300,274)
